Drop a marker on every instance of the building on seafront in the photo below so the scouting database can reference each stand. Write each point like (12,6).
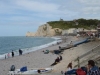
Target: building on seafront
(98,30)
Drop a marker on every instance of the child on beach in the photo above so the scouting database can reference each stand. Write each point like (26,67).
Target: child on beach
(69,68)
(5,56)
(8,55)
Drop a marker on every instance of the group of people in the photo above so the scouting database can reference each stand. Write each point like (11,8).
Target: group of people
(90,69)
(13,54)
(57,60)
(20,52)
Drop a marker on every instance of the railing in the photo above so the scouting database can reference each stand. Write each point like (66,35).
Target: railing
(95,52)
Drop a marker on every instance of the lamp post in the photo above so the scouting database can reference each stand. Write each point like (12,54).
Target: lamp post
(78,61)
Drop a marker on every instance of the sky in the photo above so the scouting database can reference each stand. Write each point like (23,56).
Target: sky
(20,16)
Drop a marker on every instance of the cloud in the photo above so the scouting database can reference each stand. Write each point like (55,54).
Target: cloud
(34,10)
(33,13)
(90,6)
(91,10)
(37,6)
(90,2)
(46,10)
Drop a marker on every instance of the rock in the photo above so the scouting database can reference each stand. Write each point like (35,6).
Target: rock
(45,30)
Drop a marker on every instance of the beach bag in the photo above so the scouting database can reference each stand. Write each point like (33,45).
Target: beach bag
(12,68)
(23,69)
(80,72)
(84,69)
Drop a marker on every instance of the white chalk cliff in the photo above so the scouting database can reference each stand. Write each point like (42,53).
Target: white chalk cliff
(45,30)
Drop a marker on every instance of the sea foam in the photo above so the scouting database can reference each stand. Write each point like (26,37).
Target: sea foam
(27,50)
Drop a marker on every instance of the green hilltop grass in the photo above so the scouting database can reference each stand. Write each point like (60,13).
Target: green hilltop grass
(79,23)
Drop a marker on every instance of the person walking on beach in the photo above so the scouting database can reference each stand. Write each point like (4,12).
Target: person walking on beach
(12,53)
(71,44)
(59,47)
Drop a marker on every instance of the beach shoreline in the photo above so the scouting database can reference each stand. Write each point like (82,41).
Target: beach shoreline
(32,49)
(38,59)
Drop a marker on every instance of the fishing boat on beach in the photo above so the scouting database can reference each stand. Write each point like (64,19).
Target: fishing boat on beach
(29,71)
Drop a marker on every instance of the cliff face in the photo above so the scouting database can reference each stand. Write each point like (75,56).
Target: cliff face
(45,30)
(30,33)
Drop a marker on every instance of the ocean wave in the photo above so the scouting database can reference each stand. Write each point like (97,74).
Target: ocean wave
(27,50)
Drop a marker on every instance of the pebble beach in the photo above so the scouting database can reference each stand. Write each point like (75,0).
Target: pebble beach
(38,59)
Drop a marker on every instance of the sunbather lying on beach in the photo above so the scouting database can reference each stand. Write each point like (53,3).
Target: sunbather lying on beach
(55,51)
(39,70)
(57,60)
(46,51)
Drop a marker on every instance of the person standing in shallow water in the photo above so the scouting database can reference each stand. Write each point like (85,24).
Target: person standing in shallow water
(12,53)
(20,52)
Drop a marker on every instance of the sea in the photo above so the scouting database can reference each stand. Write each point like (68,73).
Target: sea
(26,44)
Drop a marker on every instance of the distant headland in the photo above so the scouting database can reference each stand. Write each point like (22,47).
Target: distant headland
(61,27)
